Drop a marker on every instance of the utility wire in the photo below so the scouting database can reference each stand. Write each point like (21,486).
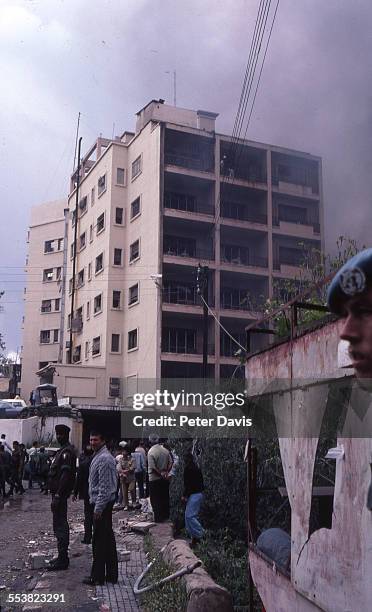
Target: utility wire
(221,326)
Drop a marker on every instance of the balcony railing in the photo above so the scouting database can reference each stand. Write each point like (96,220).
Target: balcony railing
(287,261)
(241,299)
(297,176)
(253,175)
(194,253)
(240,256)
(307,222)
(192,163)
(239,212)
(187,203)
(181,295)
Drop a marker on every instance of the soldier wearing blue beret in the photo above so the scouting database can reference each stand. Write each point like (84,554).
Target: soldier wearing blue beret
(350,296)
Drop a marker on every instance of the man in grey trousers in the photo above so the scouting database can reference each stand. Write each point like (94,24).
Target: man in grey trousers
(102,492)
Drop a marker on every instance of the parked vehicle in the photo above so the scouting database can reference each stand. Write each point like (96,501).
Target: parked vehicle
(12,408)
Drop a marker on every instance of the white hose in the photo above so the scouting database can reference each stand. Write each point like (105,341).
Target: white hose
(185,570)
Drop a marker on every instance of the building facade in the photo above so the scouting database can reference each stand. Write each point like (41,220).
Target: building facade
(43,292)
(151,206)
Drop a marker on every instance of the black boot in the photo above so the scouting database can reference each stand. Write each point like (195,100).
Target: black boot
(58,564)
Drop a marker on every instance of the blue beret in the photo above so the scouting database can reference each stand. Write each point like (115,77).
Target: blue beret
(352,279)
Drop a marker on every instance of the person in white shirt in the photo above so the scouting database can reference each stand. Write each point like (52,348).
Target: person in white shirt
(5,444)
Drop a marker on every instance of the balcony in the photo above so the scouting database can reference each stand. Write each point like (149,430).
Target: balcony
(240,212)
(185,248)
(295,175)
(183,160)
(241,256)
(184,294)
(240,300)
(186,203)
(302,224)
(182,341)
(251,174)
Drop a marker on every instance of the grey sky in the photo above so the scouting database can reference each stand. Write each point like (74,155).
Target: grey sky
(108,58)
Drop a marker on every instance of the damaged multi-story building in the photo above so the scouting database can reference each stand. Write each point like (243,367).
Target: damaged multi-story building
(151,205)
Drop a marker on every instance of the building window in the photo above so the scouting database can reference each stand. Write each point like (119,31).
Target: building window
(89,271)
(69,321)
(119,216)
(134,251)
(91,233)
(48,275)
(118,254)
(136,167)
(92,197)
(96,346)
(135,208)
(115,343)
(80,278)
(98,303)
(72,250)
(116,299)
(132,339)
(73,218)
(83,205)
(70,286)
(49,246)
(57,304)
(86,351)
(101,184)
(88,309)
(100,223)
(55,335)
(114,387)
(46,306)
(58,273)
(76,354)
(44,336)
(82,241)
(99,263)
(59,244)
(133,294)
(120,176)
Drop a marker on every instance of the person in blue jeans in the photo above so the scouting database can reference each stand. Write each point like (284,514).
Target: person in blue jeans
(193,496)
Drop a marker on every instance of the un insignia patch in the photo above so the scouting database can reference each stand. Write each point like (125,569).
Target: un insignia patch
(353,281)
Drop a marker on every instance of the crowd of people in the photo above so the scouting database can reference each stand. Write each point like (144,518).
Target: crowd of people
(105,476)
(18,464)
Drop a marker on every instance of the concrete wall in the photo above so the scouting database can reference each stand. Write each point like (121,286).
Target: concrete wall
(332,567)
(34,428)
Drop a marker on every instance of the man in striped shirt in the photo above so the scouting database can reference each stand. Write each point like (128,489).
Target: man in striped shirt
(102,492)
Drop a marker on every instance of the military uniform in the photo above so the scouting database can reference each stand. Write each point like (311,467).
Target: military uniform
(61,481)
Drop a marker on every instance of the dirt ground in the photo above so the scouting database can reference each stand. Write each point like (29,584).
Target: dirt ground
(26,527)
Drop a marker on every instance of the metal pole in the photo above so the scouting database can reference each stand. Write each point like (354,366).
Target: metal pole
(205,322)
(63,289)
(75,248)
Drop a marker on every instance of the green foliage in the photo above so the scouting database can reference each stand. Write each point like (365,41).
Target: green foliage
(167,598)
(225,480)
(315,267)
(226,561)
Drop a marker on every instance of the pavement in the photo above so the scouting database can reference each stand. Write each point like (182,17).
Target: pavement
(26,527)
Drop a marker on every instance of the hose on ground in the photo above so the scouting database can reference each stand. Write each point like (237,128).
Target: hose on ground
(185,570)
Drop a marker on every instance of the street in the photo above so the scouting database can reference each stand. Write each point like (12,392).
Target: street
(26,527)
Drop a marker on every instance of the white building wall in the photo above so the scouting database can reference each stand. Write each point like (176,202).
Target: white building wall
(47,223)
